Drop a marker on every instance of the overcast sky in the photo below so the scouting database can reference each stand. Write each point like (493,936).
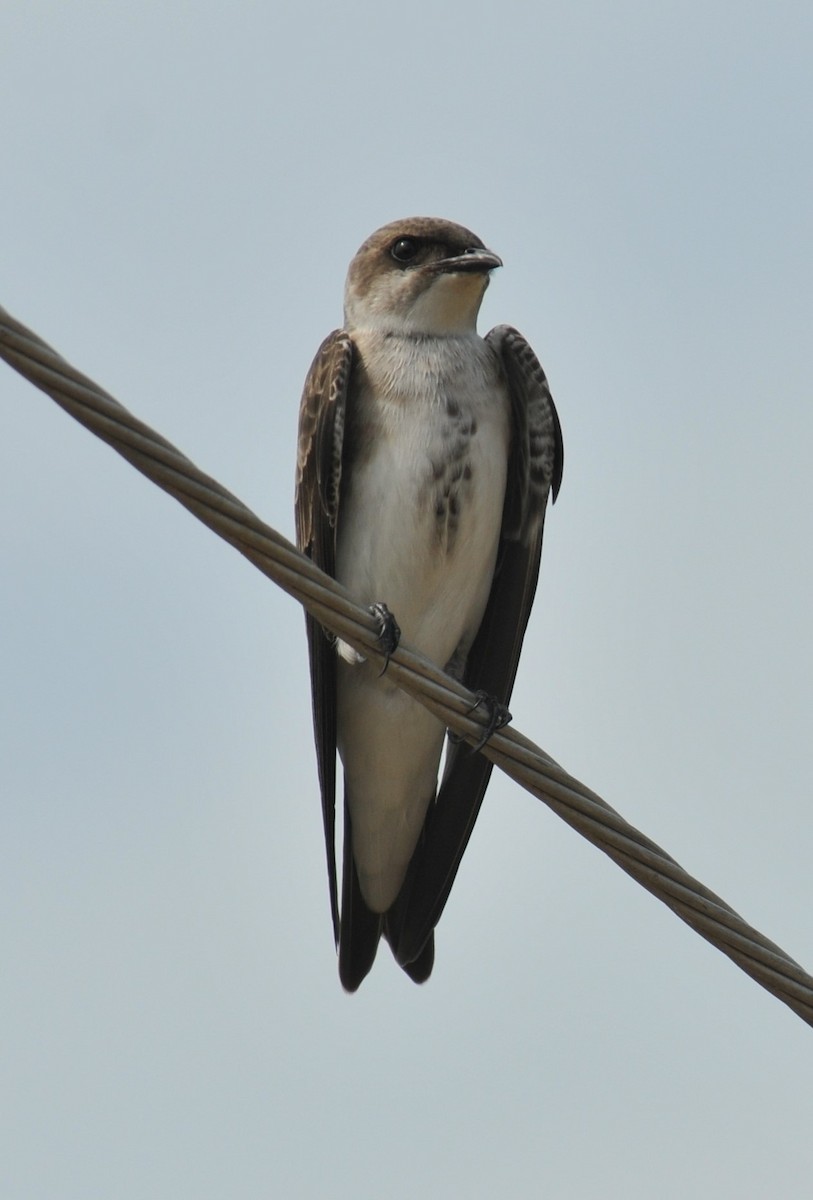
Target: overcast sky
(183,186)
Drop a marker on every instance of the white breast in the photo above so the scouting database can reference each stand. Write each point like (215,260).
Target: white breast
(418,529)
(421,512)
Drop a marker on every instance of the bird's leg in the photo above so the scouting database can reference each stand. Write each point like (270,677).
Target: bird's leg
(389,634)
(498,716)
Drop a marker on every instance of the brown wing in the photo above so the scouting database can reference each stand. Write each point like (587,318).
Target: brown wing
(534,471)
(318,481)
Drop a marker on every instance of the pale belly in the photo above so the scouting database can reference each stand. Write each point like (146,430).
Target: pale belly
(419,531)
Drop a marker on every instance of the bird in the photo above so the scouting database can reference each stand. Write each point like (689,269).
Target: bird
(426,456)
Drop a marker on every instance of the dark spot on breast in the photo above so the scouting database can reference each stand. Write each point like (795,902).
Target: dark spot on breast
(467,471)
(452,408)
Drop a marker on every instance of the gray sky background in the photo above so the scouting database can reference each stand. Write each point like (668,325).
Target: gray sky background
(183,186)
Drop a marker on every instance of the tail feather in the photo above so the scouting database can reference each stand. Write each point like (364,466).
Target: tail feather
(420,968)
(360,928)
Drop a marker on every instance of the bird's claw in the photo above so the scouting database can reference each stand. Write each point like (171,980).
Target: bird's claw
(498,716)
(389,633)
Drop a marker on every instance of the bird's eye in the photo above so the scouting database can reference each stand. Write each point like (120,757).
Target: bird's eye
(405,249)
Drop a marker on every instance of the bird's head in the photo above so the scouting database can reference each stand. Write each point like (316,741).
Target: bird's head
(418,276)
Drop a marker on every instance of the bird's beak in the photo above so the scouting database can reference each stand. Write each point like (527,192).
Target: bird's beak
(473,261)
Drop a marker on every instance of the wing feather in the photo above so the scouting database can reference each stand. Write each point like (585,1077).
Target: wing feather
(318,484)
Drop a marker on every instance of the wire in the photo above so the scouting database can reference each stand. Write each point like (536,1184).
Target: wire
(523,761)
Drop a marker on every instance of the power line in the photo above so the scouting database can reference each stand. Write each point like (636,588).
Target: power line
(534,770)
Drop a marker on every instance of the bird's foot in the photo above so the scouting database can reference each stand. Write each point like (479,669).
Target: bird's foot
(498,716)
(389,634)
